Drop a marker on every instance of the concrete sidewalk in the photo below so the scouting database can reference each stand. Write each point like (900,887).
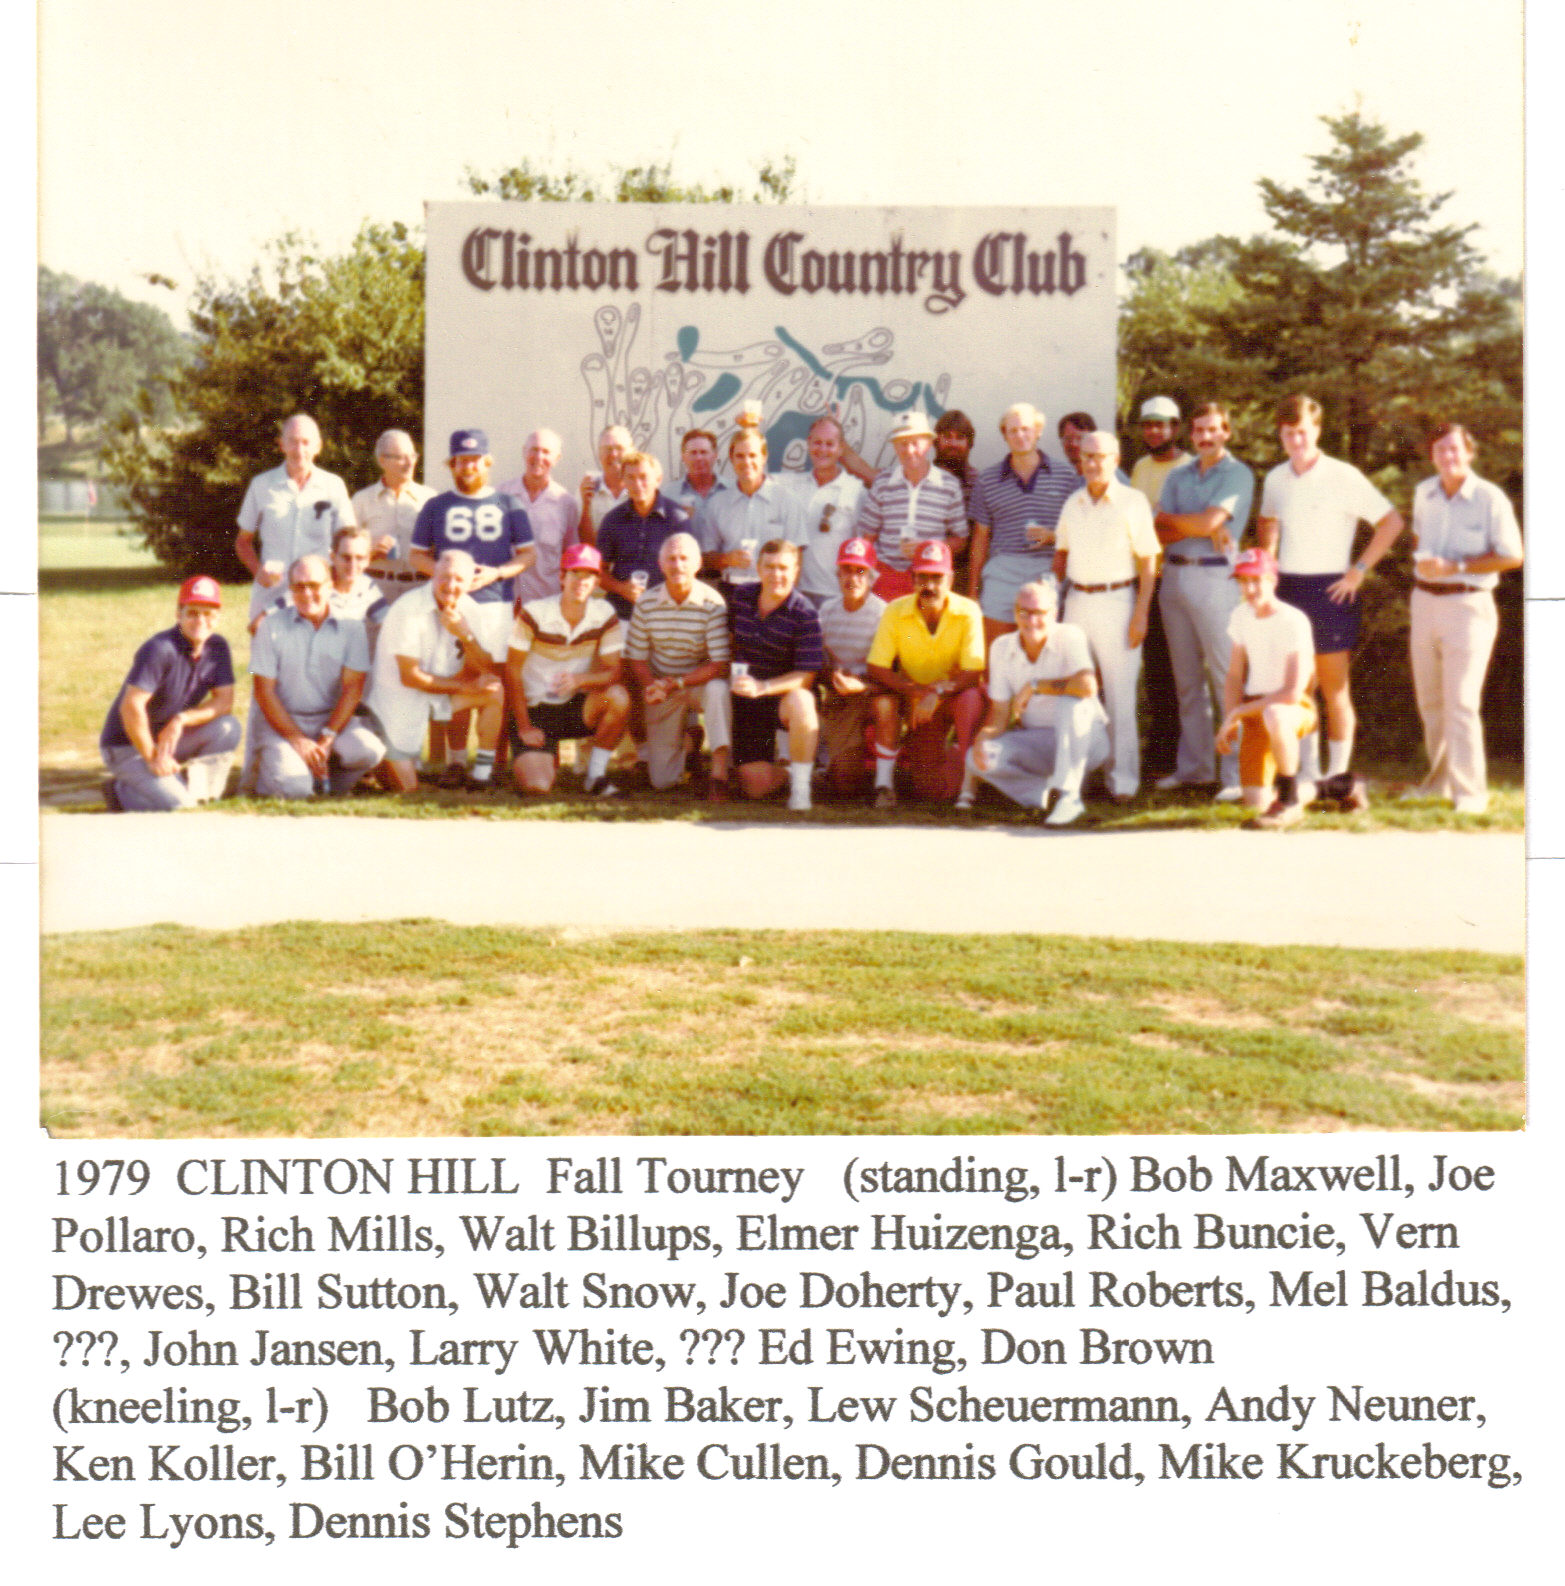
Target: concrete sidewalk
(1389,889)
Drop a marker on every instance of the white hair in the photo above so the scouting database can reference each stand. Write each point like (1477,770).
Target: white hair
(1045,591)
(388,438)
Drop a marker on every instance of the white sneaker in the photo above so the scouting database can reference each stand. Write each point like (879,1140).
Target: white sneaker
(1067,811)
(1169,783)
(1475,804)
(1306,791)
(799,799)
(1228,795)
(964,801)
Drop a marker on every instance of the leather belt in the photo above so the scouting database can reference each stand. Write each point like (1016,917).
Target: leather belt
(1102,589)
(1196,561)
(1446,589)
(395,578)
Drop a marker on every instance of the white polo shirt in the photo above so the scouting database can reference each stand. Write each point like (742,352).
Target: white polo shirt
(1317,513)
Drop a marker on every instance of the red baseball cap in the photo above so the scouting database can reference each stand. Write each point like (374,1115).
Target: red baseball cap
(1255,563)
(932,556)
(857,553)
(200,591)
(581,556)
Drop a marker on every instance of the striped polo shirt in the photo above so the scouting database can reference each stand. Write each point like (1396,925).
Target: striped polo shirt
(848,635)
(937,513)
(787,639)
(675,637)
(1007,506)
(551,646)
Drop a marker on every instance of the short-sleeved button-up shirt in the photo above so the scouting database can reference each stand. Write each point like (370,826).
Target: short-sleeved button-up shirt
(772,513)
(903,640)
(380,511)
(699,506)
(1477,521)
(1103,538)
(831,513)
(290,521)
(307,662)
(555,517)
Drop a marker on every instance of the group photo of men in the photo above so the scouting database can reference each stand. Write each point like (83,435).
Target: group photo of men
(925,631)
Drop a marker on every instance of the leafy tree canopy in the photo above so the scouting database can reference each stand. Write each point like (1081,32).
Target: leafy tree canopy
(338,336)
(631,184)
(100,354)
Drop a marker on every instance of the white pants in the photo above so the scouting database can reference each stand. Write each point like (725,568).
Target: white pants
(1105,619)
(1451,638)
(282,774)
(1029,761)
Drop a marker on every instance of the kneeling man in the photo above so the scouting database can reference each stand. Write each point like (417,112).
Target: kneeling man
(678,653)
(563,677)
(776,654)
(430,662)
(1047,728)
(1267,696)
(171,735)
(309,666)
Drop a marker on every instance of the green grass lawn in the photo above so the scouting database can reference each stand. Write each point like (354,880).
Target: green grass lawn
(420,1028)
(94,612)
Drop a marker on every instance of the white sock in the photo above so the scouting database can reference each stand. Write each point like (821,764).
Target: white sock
(483,765)
(1338,752)
(597,763)
(885,768)
(799,775)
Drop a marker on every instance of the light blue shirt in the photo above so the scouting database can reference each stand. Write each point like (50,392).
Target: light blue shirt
(1228,484)
(1477,521)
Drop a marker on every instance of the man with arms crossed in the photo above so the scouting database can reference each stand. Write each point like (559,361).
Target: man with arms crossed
(1267,704)
(1200,520)
(388,511)
(678,651)
(848,627)
(289,512)
(171,734)
(775,649)
(1311,506)
(1106,546)
(309,665)
(1046,728)
(928,657)
(431,661)
(563,679)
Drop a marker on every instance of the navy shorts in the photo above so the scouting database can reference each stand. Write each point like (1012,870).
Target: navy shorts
(557,722)
(1334,627)
(755,728)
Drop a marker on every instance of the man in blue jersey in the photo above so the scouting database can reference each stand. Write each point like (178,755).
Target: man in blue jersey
(493,529)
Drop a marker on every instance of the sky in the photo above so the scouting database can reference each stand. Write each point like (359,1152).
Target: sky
(178,139)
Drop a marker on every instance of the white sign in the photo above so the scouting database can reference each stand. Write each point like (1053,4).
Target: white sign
(666,318)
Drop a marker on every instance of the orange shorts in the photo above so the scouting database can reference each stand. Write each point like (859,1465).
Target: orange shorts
(1257,768)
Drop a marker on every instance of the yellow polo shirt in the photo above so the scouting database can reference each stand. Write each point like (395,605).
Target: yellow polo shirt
(903,639)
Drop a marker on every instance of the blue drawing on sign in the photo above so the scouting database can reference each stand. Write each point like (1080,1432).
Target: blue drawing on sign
(702,387)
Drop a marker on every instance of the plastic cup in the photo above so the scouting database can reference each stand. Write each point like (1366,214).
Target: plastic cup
(640,579)
(737,670)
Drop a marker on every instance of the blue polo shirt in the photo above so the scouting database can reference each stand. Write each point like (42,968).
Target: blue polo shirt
(175,679)
(491,528)
(629,543)
(1007,506)
(1229,484)
(786,640)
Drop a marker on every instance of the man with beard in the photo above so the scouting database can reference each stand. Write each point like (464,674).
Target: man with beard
(928,657)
